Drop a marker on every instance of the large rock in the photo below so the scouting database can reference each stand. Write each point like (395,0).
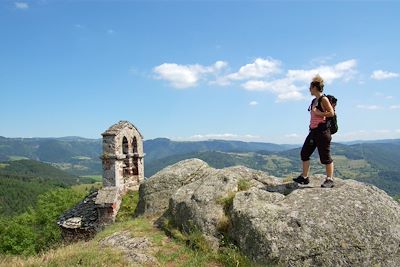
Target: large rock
(154,193)
(352,224)
(201,204)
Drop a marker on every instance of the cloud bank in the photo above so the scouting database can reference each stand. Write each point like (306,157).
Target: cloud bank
(262,74)
(383,75)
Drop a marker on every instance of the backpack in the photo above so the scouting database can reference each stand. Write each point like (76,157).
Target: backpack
(331,121)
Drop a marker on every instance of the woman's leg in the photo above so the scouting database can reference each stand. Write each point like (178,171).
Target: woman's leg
(329,170)
(324,150)
(306,152)
(306,168)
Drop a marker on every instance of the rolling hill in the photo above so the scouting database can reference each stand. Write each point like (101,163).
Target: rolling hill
(21,181)
(371,161)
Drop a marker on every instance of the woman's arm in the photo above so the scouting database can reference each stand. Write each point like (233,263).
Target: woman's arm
(326,105)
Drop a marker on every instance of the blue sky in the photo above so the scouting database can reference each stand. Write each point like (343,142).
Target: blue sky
(197,70)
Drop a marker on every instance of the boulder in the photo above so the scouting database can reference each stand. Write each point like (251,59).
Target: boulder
(352,224)
(155,192)
(201,204)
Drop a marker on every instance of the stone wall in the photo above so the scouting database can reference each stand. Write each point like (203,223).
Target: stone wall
(123,170)
(123,163)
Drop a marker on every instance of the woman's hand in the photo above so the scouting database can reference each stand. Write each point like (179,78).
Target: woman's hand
(318,112)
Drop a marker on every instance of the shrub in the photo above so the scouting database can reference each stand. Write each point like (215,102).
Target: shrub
(227,201)
(128,206)
(36,229)
(243,185)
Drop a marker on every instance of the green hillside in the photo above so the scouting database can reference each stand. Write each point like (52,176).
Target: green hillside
(375,161)
(162,147)
(376,164)
(78,156)
(23,180)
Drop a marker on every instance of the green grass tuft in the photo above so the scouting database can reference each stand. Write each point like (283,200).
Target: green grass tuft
(244,185)
(128,206)
(227,201)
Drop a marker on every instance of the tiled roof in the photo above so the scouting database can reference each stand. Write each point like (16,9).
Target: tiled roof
(116,128)
(82,216)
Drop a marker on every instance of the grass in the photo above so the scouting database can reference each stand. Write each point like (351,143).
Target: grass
(86,188)
(12,158)
(227,201)
(168,251)
(128,206)
(98,178)
(172,249)
(79,254)
(244,185)
(3,165)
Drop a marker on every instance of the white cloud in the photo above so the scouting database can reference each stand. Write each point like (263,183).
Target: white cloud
(253,103)
(225,136)
(290,96)
(260,68)
(394,107)
(260,75)
(185,76)
(21,5)
(110,31)
(284,88)
(343,70)
(383,75)
(369,107)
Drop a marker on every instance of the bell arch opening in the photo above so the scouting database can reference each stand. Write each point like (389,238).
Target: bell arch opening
(135,168)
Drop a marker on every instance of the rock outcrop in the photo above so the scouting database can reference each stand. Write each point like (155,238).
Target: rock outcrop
(352,224)
(155,192)
(136,249)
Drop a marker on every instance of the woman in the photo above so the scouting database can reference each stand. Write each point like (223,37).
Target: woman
(319,135)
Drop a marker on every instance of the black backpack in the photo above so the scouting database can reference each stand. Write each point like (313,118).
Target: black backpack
(331,121)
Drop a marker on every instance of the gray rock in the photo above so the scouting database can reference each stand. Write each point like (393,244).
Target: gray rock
(155,192)
(136,249)
(352,224)
(199,205)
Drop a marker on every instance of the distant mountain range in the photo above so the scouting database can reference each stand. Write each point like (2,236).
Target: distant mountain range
(376,162)
(80,156)
(22,181)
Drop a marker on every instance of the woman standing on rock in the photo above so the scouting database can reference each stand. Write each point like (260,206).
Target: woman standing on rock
(319,135)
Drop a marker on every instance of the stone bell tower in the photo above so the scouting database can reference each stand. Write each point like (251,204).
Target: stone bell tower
(122,158)
(123,170)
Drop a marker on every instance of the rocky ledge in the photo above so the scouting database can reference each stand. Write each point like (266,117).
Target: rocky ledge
(352,224)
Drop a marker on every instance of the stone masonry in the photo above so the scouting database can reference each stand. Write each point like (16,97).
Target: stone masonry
(123,157)
(123,170)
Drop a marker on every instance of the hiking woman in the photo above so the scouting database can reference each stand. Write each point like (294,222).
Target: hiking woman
(319,135)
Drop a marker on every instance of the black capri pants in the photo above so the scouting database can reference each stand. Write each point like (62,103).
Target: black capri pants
(320,139)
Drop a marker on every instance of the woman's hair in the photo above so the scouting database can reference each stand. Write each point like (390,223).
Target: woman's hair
(318,82)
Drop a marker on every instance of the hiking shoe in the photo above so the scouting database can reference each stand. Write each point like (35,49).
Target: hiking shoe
(328,184)
(301,180)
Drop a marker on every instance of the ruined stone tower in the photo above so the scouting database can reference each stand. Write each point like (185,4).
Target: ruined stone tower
(123,170)
(123,157)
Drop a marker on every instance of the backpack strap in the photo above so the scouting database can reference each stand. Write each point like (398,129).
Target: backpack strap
(319,106)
